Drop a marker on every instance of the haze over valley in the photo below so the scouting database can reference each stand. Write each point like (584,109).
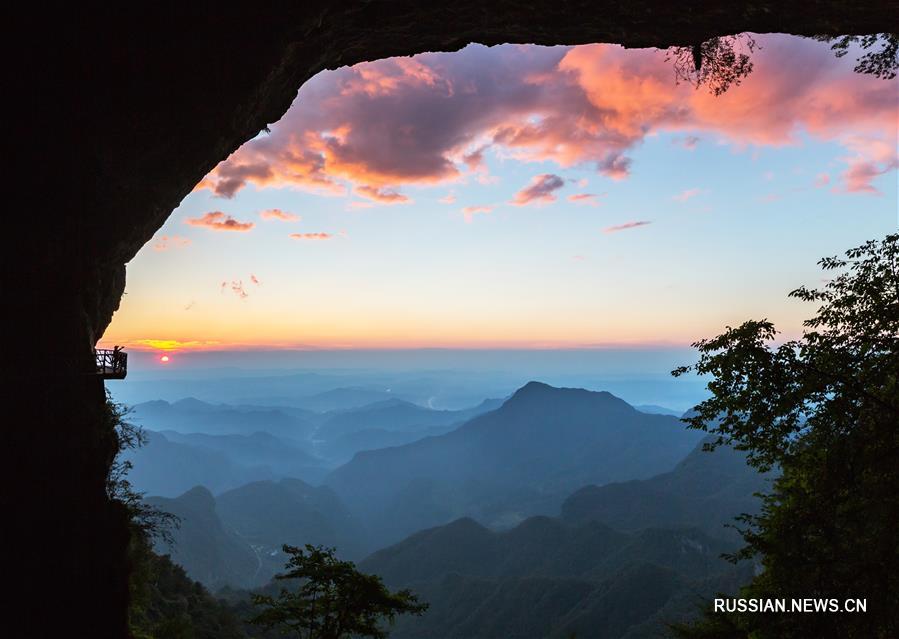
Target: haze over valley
(532,494)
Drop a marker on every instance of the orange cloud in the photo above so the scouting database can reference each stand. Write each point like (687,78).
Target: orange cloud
(167,344)
(379,126)
(167,242)
(541,190)
(470,211)
(218,221)
(278,214)
(625,226)
(311,236)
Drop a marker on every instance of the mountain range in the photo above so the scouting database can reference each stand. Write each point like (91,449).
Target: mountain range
(235,539)
(705,490)
(547,578)
(394,422)
(520,459)
(191,415)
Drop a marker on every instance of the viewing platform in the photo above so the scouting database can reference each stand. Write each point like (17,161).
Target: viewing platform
(112,363)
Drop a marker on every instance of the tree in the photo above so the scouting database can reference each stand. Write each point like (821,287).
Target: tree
(722,62)
(882,63)
(145,521)
(333,599)
(717,63)
(824,409)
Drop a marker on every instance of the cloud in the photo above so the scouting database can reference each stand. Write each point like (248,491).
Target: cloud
(683,196)
(428,119)
(822,180)
(232,177)
(475,159)
(167,242)
(311,236)
(688,142)
(381,195)
(167,344)
(625,226)
(278,214)
(449,198)
(872,157)
(585,198)
(218,221)
(470,211)
(238,289)
(540,190)
(255,280)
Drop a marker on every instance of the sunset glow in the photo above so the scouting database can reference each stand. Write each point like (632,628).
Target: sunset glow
(523,197)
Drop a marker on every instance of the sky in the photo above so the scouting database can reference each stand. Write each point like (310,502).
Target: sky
(524,197)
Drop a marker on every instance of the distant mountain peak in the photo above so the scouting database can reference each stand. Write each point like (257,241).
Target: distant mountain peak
(534,390)
(199,496)
(464,523)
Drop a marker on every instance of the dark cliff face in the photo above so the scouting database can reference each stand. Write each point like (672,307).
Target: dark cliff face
(119,112)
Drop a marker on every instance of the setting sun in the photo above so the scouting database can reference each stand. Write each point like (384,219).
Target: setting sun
(164,359)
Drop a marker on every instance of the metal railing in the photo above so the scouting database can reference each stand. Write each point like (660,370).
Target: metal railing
(111,363)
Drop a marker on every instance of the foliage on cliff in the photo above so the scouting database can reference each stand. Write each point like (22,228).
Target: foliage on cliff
(824,408)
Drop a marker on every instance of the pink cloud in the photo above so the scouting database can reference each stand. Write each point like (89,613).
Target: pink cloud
(470,211)
(475,159)
(584,198)
(218,221)
(449,198)
(872,157)
(427,120)
(231,177)
(311,236)
(822,180)
(541,190)
(688,142)
(254,279)
(236,287)
(683,196)
(166,243)
(625,226)
(278,214)
(382,195)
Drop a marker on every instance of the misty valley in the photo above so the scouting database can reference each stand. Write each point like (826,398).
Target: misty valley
(540,511)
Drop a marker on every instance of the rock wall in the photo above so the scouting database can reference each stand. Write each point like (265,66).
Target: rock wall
(119,110)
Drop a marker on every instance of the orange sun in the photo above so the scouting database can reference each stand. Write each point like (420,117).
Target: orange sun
(164,359)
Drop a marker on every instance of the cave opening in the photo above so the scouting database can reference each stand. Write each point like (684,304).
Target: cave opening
(147,103)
